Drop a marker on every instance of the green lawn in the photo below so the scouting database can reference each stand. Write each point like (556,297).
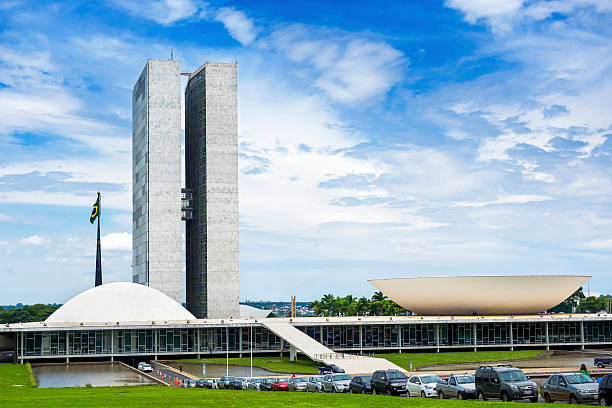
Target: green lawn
(157,396)
(424,359)
(273,363)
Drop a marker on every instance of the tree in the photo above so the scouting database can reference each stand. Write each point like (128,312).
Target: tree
(1,309)
(33,313)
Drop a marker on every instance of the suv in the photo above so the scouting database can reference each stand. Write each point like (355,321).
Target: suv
(601,362)
(605,390)
(505,382)
(389,382)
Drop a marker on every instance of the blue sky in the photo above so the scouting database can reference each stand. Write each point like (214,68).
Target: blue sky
(404,139)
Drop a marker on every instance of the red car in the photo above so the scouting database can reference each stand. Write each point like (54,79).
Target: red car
(280,384)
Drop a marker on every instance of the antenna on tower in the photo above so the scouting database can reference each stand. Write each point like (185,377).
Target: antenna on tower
(171,54)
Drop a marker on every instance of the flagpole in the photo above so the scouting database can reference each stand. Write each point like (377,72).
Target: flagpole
(98,250)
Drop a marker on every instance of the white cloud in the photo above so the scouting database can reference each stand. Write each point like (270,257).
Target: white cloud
(117,241)
(496,13)
(237,24)
(510,199)
(346,67)
(33,240)
(4,217)
(600,244)
(164,12)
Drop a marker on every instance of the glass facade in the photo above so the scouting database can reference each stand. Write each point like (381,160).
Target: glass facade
(336,337)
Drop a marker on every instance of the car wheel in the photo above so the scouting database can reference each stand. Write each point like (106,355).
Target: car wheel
(533,399)
(505,397)
(440,395)
(362,391)
(547,398)
(603,401)
(334,390)
(373,391)
(423,394)
(460,396)
(600,365)
(408,394)
(481,396)
(388,393)
(572,399)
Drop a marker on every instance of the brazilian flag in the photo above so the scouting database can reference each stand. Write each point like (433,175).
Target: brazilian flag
(95,212)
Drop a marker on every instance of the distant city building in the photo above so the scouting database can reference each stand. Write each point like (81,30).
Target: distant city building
(156,172)
(211,172)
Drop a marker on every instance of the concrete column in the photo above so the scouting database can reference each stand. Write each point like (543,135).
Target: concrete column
(281,347)
(399,338)
(360,339)
(155,342)
(240,336)
(474,336)
(582,335)
(547,338)
(112,333)
(67,346)
(511,338)
(292,353)
(199,341)
(437,337)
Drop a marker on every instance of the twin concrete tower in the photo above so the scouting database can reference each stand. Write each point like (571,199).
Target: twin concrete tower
(208,203)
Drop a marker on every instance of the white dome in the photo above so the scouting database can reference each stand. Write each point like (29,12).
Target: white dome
(120,302)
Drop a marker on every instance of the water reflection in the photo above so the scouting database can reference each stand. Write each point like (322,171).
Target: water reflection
(79,375)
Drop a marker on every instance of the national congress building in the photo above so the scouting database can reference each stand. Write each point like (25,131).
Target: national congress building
(208,204)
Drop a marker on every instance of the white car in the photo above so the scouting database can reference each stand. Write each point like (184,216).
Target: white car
(145,367)
(423,385)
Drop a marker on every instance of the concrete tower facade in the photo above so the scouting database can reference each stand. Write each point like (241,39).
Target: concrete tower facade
(211,175)
(156,178)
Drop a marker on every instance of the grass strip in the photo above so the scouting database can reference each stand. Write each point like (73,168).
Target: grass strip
(425,359)
(273,363)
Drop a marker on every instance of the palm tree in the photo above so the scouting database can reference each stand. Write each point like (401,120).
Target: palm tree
(378,296)
(363,305)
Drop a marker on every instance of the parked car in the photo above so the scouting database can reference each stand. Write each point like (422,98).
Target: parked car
(201,383)
(298,384)
(605,390)
(280,384)
(361,384)
(389,382)
(144,367)
(327,369)
(460,386)
(505,382)
(602,362)
(572,387)
(314,384)
(224,382)
(423,385)
(266,384)
(254,384)
(236,384)
(189,383)
(336,382)
(246,382)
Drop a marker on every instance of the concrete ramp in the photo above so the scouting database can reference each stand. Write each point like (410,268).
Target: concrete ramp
(351,363)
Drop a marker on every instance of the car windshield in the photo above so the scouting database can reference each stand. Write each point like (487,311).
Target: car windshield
(512,376)
(366,378)
(340,377)
(279,380)
(427,379)
(465,379)
(578,379)
(396,375)
(300,379)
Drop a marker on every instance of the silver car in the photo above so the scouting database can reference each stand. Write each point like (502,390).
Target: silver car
(297,384)
(314,384)
(571,387)
(335,383)
(253,384)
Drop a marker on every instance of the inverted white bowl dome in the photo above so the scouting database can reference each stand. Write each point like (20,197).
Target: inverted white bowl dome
(483,295)
(120,302)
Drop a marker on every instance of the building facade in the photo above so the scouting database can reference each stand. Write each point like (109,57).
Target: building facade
(156,177)
(351,335)
(211,178)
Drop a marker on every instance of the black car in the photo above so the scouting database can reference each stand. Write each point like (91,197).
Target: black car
(505,382)
(266,384)
(361,384)
(601,362)
(201,383)
(329,369)
(236,384)
(605,390)
(389,382)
